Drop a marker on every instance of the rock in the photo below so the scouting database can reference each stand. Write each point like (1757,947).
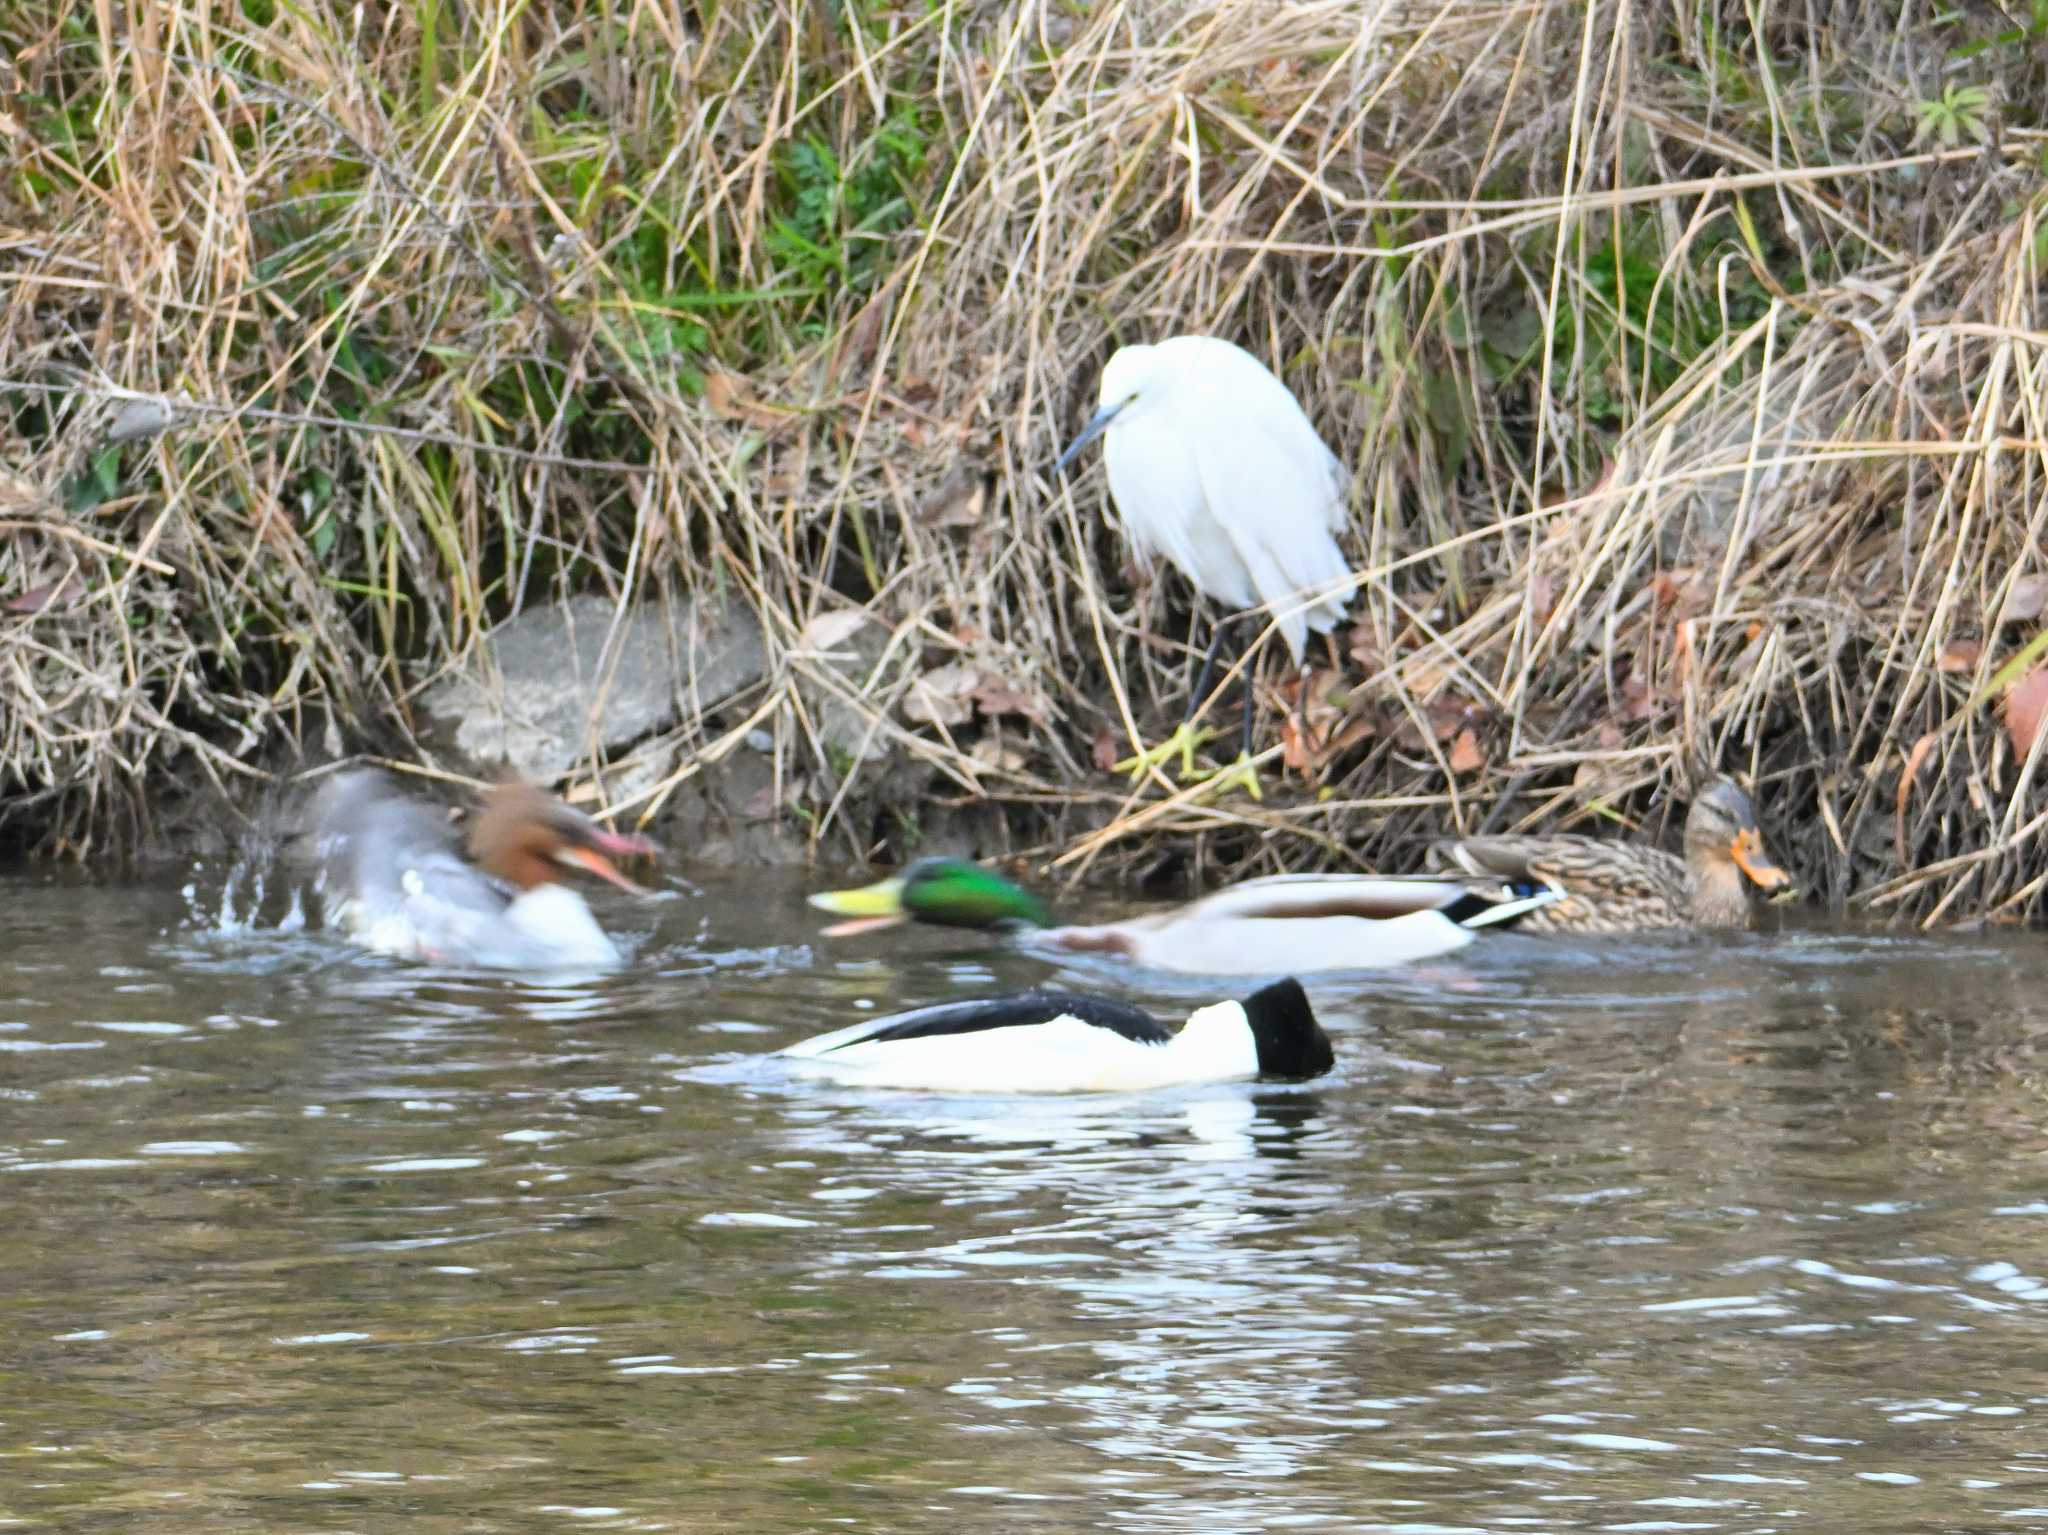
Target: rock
(546,689)
(846,642)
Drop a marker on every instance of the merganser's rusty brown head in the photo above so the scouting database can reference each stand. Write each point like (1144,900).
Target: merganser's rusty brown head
(526,838)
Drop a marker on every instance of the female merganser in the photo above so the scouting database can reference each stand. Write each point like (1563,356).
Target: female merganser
(1286,924)
(1062,1042)
(394,880)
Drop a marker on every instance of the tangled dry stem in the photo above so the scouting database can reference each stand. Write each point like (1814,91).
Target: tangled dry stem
(452,325)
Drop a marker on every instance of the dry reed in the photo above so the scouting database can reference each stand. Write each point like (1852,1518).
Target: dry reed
(1688,357)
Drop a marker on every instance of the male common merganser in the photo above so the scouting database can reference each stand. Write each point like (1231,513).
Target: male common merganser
(1063,1042)
(394,879)
(1287,924)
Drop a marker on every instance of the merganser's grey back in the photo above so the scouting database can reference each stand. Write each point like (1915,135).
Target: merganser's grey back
(385,858)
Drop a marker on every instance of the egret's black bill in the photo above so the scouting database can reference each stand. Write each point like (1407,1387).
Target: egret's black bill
(1097,425)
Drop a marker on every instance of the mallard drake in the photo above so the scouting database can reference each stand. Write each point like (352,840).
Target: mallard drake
(393,879)
(1064,1042)
(1613,887)
(1289,924)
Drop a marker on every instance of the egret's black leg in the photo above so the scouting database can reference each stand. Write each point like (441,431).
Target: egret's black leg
(1245,682)
(1217,630)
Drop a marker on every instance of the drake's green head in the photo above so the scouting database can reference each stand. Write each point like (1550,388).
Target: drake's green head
(949,892)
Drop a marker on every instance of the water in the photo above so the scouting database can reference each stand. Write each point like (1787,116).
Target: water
(1741,1235)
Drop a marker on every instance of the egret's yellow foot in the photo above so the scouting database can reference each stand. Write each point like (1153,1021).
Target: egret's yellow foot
(1183,741)
(1240,773)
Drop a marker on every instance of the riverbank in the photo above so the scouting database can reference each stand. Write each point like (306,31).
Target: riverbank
(1692,376)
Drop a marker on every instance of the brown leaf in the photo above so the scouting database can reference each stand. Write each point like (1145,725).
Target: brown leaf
(941,696)
(996,695)
(1447,716)
(728,395)
(1466,757)
(1313,729)
(1959,656)
(1358,730)
(1297,751)
(1910,772)
(1559,495)
(994,752)
(957,503)
(1638,701)
(1683,593)
(1365,650)
(764,804)
(1425,678)
(57,595)
(2025,702)
(2029,595)
(857,342)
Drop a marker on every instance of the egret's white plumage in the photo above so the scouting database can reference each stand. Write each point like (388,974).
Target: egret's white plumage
(1213,465)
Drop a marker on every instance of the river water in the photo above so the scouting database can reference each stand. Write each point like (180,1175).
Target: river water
(1747,1234)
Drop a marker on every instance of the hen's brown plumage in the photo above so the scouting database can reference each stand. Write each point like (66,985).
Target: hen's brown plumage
(1613,887)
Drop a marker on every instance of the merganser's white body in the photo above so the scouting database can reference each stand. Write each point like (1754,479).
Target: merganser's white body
(1054,1042)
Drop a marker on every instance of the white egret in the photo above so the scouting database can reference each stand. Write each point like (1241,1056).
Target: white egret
(1213,465)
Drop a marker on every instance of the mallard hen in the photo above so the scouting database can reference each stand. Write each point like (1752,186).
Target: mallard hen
(1614,887)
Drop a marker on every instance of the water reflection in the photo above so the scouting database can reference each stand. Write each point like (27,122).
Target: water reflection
(1733,1234)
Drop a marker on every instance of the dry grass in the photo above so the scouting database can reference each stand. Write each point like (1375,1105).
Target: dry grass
(1693,377)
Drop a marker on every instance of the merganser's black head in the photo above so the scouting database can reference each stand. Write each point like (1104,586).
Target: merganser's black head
(1292,1045)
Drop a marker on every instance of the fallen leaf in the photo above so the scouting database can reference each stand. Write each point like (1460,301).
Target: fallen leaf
(1910,772)
(1638,702)
(995,695)
(1959,656)
(40,599)
(1466,757)
(857,341)
(994,752)
(1365,650)
(828,631)
(1682,592)
(1559,495)
(2028,596)
(1425,678)
(1316,705)
(764,804)
(941,695)
(957,503)
(1297,750)
(2025,702)
(727,394)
